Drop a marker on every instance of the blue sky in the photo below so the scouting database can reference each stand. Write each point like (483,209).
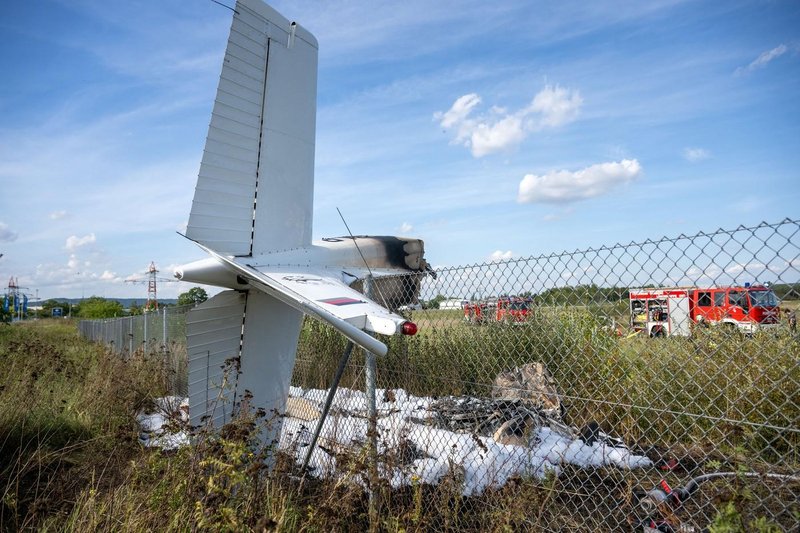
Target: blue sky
(489,131)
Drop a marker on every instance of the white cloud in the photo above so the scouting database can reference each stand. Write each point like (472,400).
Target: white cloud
(49,274)
(499,255)
(763,59)
(109,276)
(6,235)
(405,227)
(458,113)
(500,130)
(488,138)
(58,215)
(563,186)
(74,242)
(696,154)
(556,105)
(77,274)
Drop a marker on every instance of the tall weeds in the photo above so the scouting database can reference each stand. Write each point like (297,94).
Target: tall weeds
(66,417)
(70,459)
(695,390)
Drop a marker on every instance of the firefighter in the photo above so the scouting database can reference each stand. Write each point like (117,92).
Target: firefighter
(791,317)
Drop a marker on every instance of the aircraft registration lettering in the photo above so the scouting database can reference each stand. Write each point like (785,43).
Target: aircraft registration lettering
(309,281)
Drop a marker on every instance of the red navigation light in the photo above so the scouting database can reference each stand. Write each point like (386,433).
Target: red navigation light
(409,328)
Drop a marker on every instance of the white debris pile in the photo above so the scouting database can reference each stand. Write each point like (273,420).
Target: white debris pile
(413,449)
(421,439)
(164,424)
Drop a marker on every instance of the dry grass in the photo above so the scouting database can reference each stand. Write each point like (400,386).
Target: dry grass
(66,417)
(70,459)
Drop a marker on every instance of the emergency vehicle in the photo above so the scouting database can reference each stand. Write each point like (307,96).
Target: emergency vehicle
(674,311)
(510,309)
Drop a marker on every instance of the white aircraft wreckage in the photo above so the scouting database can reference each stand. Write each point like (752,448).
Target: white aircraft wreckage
(252,213)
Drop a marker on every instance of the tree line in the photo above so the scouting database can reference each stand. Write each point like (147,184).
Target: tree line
(96,307)
(594,295)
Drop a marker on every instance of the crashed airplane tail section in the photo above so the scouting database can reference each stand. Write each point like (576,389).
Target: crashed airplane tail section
(252,214)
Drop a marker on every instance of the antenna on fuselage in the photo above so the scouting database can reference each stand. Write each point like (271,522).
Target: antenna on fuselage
(371,285)
(223,5)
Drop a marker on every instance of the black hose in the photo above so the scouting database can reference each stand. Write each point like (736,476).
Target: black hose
(694,483)
(677,496)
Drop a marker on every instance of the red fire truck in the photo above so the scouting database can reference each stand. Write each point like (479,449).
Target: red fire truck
(673,311)
(509,309)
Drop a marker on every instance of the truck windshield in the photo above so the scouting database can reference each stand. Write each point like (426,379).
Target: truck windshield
(519,306)
(738,298)
(763,299)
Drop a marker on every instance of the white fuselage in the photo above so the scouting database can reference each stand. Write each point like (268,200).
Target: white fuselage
(351,258)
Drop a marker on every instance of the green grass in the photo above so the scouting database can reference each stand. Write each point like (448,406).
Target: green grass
(715,388)
(717,397)
(66,417)
(70,460)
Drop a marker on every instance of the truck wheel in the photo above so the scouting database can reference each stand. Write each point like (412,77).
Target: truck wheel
(657,332)
(731,330)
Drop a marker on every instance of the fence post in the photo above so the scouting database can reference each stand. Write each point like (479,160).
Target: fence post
(370,378)
(164,329)
(144,335)
(130,336)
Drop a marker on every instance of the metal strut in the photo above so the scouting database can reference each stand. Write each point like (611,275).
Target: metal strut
(328,401)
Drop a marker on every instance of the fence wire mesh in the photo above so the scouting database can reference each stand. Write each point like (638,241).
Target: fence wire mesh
(651,384)
(162,331)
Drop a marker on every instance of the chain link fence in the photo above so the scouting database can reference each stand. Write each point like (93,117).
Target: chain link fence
(162,331)
(645,385)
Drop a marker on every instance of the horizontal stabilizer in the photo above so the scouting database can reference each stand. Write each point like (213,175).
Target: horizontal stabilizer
(319,287)
(302,303)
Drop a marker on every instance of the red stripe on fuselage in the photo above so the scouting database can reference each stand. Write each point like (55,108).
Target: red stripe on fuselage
(341,301)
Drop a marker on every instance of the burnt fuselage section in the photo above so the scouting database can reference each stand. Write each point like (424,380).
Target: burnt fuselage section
(397,263)
(381,252)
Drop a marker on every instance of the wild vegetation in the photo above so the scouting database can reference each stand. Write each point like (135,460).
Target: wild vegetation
(714,401)
(638,386)
(70,459)
(66,418)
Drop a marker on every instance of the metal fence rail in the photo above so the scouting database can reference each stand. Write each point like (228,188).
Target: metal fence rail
(646,384)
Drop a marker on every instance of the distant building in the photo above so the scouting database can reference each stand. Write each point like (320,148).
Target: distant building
(451,304)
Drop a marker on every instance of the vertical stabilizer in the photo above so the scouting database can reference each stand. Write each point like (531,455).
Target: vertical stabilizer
(254,196)
(255,188)
(269,346)
(214,337)
(237,343)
